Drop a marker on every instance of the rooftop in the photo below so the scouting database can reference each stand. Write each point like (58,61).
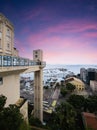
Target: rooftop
(70,79)
(90,120)
(3,18)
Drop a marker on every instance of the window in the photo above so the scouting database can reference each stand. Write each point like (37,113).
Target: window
(9,60)
(8,45)
(8,32)
(8,38)
(1,80)
(0,34)
(0,40)
(36,56)
(0,27)
(0,44)
(5,63)
(0,60)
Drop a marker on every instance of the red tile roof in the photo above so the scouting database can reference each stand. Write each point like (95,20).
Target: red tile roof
(90,120)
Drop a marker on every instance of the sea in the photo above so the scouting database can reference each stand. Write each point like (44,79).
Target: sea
(73,68)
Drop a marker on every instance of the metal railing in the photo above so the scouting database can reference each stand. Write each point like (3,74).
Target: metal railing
(6,61)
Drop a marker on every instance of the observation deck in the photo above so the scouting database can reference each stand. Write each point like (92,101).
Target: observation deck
(11,63)
(11,66)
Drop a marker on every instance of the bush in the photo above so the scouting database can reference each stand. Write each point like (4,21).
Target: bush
(35,121)
(10,117)
(70,87)
(46,87)
(24,126)
(64,92)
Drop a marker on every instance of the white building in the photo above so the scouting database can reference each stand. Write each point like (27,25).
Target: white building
(11,66)
(93,85)
(83,74)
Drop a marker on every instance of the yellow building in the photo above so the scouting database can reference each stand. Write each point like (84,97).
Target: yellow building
(77,82)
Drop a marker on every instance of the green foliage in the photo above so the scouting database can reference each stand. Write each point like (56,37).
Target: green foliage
(89,129)
(24,126)
(46,87)
(77,101)
(35,121)
(70,87)
(84,104)
(2,101)
(64,91)
(10,117)
(63,118)
(57,84)
(91,103)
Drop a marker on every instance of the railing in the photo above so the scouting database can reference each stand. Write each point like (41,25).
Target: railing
(6,61)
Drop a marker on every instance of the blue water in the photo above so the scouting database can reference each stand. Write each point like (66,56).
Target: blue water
(72,68)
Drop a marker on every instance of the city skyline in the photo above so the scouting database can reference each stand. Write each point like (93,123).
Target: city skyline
(66,30)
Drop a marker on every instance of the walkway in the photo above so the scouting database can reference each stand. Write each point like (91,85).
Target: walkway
(56,93)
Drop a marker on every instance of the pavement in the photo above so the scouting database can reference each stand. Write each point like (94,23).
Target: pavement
(56,93)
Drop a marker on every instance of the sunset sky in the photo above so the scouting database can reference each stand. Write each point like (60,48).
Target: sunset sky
(66,30)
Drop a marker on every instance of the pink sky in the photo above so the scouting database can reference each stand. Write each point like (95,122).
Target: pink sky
(66,30)
(66,43)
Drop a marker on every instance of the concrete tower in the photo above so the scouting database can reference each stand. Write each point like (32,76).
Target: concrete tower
(38,85)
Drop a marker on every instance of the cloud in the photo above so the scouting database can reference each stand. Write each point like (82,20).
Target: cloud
(73,26)
(39,13)
(58,43)
(65,30)
(90,35)
(30,15)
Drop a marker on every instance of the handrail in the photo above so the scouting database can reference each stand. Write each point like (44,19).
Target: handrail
(7,61)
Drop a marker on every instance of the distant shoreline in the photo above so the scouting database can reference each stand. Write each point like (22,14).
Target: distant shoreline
(73,68)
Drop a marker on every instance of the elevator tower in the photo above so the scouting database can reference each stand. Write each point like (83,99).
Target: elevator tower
(38,85)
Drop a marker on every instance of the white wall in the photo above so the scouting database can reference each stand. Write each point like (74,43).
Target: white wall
(93,85)
(10,88)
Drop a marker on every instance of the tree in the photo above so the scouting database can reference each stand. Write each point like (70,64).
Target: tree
(70,87)
(89,128)
(64,91)
(10,117)
(46,87)
(57,84)
(35,121)
(63,118)
(77,101)
(2,101)
(91,103)
(24,126)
